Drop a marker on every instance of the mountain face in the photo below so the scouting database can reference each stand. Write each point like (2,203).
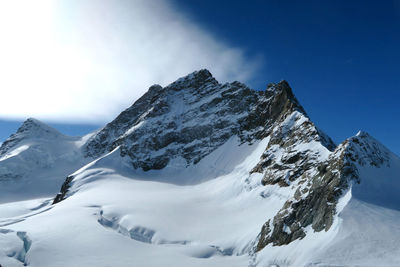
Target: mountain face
(320,182)
(208,174)
(195,115)
(192,117)
(36,159)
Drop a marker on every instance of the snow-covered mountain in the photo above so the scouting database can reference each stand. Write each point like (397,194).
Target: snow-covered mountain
(35,160)
(199,173)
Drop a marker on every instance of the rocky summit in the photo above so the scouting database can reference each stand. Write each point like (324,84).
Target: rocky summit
(192,117)
(281,193)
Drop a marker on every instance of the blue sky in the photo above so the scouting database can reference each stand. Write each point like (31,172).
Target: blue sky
(340,57)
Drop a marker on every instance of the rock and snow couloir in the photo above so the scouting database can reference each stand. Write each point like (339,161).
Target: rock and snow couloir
(200,173)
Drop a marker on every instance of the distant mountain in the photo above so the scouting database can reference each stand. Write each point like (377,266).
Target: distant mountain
(35,160)
(199,173)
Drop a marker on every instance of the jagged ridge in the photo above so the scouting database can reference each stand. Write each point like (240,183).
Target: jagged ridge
(193,116)
(319,189)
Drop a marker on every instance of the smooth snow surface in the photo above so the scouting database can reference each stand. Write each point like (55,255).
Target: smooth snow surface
(369,236)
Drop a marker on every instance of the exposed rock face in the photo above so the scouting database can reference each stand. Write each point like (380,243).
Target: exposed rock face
(319,188)
(190,118)
(64,190)
(365,150)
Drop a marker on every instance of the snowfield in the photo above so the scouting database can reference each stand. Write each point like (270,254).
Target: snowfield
(153,219)
(117,219)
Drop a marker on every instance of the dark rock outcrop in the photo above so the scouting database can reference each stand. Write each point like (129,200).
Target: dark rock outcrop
(64,190)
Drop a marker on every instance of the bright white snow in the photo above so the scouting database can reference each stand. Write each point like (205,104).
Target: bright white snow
(208,214)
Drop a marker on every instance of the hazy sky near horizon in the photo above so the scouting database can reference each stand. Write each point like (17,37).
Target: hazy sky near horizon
(77,64)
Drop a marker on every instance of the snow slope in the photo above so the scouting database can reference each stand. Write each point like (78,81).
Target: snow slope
(370,231)
(113,215)
(122,219)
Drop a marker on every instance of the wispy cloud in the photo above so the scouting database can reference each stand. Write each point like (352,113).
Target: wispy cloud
(85,61)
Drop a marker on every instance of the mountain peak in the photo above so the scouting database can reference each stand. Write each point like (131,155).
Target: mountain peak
(366,150)
(195,80)
(32,122)
(282,99)
(33,127)
(363,134)
(200,74)
(196,114)
(281,87)
(29,130)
